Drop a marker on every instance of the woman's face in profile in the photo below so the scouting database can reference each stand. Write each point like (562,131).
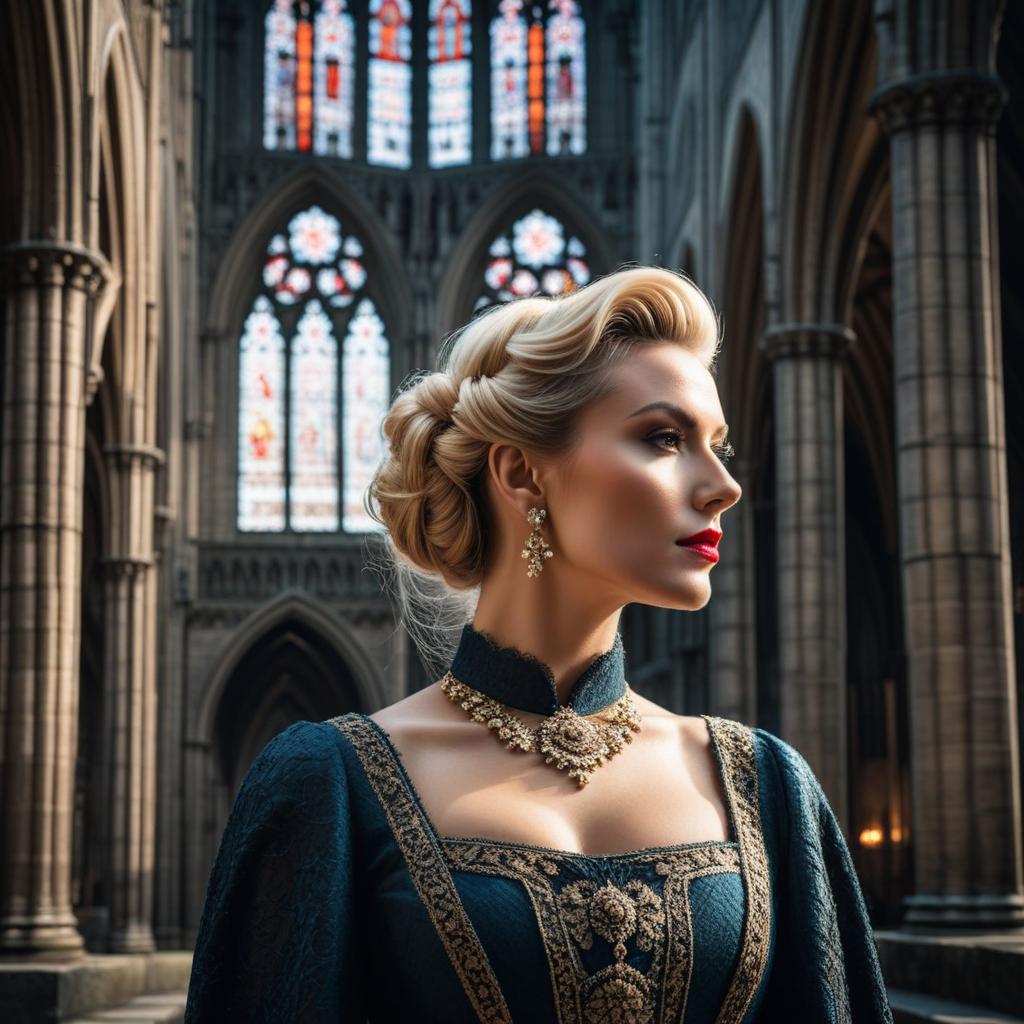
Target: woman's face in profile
(640,481)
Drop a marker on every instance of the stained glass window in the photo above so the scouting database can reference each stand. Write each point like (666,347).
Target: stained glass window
(334,77)
(279,77)
(451,82)
(313,426)
(566,80)
(289,415)
(261,487)
(538,80)
(365,371)
(508,82)
(308,77)
(534,258)
(390,101)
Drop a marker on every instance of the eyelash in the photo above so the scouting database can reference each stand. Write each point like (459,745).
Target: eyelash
(723,451)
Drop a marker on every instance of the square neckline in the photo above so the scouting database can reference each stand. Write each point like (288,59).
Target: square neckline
(549,851)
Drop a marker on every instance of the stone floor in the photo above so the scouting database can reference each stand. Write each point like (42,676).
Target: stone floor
(954,978)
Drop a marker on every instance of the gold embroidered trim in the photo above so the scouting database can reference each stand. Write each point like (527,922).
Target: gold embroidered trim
(735,744)
(618,993)
(569,919)
(430,874)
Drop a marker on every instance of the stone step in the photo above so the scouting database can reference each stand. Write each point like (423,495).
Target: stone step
(83,989)
(159,1008)
(978,970)
(917,1008)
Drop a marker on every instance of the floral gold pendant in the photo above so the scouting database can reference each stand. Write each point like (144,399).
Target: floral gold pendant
(573,743)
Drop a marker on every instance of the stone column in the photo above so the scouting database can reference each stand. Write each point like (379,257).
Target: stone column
(130,702)
(952,476)
(807,363)
(733,661)
(51,292)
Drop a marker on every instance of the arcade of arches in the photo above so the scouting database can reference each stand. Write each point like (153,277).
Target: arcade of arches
(229,230)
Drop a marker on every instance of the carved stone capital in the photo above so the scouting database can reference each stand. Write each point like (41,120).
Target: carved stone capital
(123,567)
(970,98)
(827,341)
(124,455)
(56,264)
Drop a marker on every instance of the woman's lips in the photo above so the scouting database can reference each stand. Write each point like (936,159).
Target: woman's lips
(705,550)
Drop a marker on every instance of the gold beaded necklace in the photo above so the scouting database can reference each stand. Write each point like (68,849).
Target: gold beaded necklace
(572,742)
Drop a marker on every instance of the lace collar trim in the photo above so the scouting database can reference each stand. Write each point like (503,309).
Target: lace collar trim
(523,681)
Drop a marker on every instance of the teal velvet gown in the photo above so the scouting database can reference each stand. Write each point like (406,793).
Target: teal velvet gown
(333,897)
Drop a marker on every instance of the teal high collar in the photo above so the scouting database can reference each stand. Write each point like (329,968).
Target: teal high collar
(523,681)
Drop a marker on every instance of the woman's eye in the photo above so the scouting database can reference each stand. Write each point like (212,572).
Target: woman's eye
(667,433)
(723,451)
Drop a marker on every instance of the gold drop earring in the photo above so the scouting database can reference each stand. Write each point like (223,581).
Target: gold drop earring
(537,549)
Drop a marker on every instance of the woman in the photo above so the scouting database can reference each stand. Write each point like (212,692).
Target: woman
(527,839)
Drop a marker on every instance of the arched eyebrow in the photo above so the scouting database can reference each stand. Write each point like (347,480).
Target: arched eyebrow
(682,417)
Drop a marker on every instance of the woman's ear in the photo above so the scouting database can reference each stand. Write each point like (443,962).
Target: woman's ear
(514,477)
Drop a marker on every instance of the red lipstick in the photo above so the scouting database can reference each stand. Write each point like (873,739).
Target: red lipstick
(704,543)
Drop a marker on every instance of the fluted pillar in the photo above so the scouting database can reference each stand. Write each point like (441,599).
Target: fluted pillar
(807,372)
(130,704)
(51,291)
(940,116)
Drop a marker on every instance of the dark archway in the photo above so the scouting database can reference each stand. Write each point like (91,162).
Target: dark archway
(290,674)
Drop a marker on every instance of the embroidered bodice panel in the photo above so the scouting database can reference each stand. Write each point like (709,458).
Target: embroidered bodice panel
(332,901)
(520,932)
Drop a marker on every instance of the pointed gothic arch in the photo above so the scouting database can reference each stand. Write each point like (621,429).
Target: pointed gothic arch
(117,225)
(743,367)
(364,685)
(745,131)
(825,157)
(40,77)
(463,276)
(311,310)
(237,280)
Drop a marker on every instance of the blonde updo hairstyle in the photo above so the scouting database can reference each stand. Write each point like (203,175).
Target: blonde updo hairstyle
(516,374)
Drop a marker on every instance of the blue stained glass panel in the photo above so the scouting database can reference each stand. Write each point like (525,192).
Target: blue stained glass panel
(509,110)
(390,83)
(313,427)
(365,375)
(334,78)
(566,80)
(261,473)
(279,77)
(450,83)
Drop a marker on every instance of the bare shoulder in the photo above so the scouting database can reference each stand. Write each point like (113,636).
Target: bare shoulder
(690,729)
(427,712)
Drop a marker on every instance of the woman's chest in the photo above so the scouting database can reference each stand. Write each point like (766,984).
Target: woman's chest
(664,788)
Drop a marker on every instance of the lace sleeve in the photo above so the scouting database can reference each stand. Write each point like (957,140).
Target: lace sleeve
(276,939)
(826,966)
